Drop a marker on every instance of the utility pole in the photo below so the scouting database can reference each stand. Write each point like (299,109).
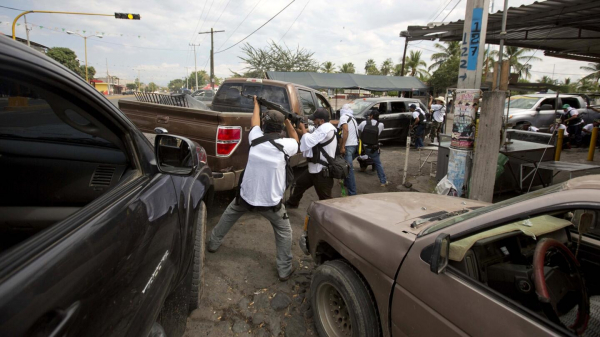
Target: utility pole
(195,66)
(406,36)
(212,56)
(187,76)
(27,29)
(138,78)
(107,76)
(468,95)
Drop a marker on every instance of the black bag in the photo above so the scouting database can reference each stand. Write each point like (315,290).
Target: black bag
(422,117)
(370,134)
(337,168)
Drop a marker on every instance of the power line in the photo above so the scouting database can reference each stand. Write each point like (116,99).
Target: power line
(257,29)
(203,22)
(432,20)
(200,18)
(238,26)
(14,9)
(459,1)
(128,45)
(219,18)
(293,22)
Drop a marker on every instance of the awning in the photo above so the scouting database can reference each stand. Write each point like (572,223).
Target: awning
(567,29)
(349,81)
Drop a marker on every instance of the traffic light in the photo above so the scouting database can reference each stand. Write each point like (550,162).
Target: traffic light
(127,16)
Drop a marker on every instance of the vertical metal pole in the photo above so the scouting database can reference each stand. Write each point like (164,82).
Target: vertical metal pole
(195,67)
(501,51)
(85,47)
(107,76)
(212,61)
(27,30)
(404,55)
(593,141)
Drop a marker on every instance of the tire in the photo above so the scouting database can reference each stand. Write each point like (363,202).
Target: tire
(184,299)
(198,264)
(342,302)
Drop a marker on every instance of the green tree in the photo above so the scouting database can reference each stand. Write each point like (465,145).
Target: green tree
(66,57)
(397,71)
(347,68)
(568,86)
(416,65)
(203,78)
(386,67)
(276,57)
(518,59)
(91,72)
(131,86)
(594,68)
(176,84)
(328,67)
(587,85)
(371,67)
(447,52)
(152,87)
(445,76)
(547,80)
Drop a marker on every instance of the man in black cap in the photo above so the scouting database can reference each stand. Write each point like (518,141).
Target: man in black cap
(263,185)
(418,116)
(310,144)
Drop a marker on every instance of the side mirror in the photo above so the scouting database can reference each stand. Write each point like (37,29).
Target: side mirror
(175,155)
(441,251)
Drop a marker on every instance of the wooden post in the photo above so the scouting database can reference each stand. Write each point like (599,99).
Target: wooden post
(483,173)
(559,142)
(505,75)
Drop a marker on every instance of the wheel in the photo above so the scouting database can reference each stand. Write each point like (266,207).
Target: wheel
(184,299)
(342,302)
(199,252)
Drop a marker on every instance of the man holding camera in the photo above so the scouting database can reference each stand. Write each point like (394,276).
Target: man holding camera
(322,137)
(263,185)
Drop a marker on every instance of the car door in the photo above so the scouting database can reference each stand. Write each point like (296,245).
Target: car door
(452,304)
(545,118)
(322,102)
(107,268)
(391,120)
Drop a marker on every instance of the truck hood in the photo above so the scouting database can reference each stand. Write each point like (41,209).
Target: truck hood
(377,227)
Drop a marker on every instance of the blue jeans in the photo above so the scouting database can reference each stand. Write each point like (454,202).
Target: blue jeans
(374,155)
(419,136)
(350,181)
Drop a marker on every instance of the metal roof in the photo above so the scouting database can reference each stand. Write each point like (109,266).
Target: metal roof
(562,28)
(348,81)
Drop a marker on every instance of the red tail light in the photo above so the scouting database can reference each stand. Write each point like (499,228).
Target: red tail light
(228,139)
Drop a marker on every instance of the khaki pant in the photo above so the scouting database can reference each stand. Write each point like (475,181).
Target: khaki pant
(436,127)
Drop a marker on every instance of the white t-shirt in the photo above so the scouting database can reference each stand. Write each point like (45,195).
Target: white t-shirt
(561,126)
(439,111)
(361,126)
(588,128)
(416,114)
(320,135)
(264,178)
(574,112)
(352,140)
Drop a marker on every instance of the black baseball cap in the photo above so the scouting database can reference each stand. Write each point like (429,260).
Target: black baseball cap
(320,114)
(412,106)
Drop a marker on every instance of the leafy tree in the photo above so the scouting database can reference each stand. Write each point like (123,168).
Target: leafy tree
(91,71)
(397,71)
(587,85)
(66,57)
(152,87)
(203,78)
(594,68)
(328,67)
(518,58)
(448,51)
(277,57)
(371,67)
(568,86)
(131,86)
(386,67)
(176,84)
(547,80)
(416,65)
(445,76)
(347,68)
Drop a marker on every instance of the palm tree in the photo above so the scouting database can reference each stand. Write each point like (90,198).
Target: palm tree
(371,67)
(328,67)
(489,61)
(594,68)
(547,80)
(414,64)
(451,49)
(397,71)
(347,68)
(386,67)
(517,55)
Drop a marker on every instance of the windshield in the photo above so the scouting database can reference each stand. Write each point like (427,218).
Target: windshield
(466,216)
(522,102)
(359,106)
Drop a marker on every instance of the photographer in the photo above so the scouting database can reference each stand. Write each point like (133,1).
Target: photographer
(263,185)
(322,137)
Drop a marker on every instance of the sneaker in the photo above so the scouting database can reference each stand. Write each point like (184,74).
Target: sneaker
(385,184)
(285,278)
(210,250)
(290,206)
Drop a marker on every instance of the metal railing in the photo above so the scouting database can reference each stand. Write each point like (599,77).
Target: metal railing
(173,100)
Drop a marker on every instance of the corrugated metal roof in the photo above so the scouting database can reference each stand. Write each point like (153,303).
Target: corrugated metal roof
(348,81)
(562,28)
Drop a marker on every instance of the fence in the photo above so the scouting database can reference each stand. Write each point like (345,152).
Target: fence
(173,100)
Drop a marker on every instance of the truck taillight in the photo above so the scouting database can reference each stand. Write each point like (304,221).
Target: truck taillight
(228,139)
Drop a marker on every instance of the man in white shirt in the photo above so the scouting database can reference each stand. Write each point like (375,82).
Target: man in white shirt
(439,112)
(349,144)
(419,121)
(574,124)
(374,152)
(263,185)
(310,144)
(587,131)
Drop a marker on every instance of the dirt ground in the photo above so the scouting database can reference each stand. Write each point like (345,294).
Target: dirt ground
(242,295)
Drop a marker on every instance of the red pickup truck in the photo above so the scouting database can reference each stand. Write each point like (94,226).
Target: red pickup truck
(223,131)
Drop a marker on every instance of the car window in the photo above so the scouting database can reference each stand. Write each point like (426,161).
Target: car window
(229,94)
(572,101)
(398,107)
(308,105)
(322,102)
(521,102)
(359,105)
(550,101)
(276,95)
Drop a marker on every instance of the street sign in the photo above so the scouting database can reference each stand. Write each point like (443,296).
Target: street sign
(127,16)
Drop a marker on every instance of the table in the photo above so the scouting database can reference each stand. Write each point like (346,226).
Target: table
(422,163)
(558,166)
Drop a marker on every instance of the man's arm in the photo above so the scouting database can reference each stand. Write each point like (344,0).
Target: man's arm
(301,130)
(291,131)
(344,138)
(255,121)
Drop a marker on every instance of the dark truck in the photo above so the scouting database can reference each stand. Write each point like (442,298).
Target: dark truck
(223,131)
(100,235)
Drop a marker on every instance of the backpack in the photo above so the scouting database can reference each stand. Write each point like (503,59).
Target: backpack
(370,134)
(422,117)
(337,168)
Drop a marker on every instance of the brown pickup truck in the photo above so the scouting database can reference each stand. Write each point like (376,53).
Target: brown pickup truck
(223,131)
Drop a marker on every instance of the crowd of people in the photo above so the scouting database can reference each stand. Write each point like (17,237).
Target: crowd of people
(576,132)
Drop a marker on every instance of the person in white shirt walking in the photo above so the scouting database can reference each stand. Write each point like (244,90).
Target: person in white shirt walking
(323,137)
(439,113)
(349,144)
(373,151)
(263,185)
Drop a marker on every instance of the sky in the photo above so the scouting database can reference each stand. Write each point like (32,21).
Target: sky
(158,45)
